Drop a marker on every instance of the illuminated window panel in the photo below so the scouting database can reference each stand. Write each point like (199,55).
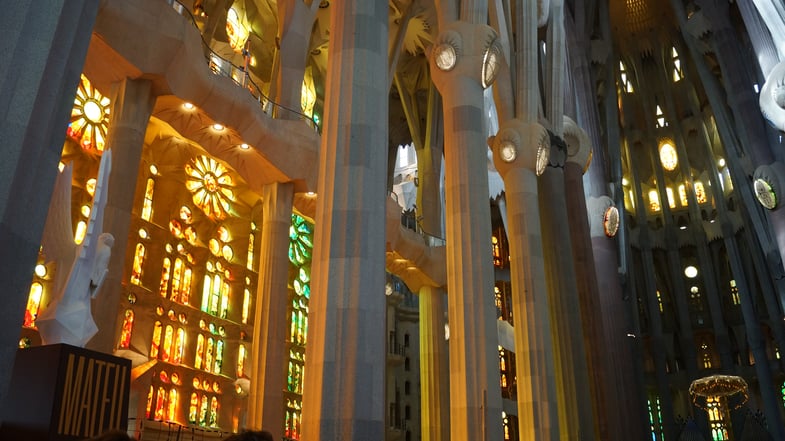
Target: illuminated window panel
(241,360)
(199,359)
(148,412)
(683,195)
(179,346)
(213,422)
(625,80)
(160,403)
(203,410)
(193,409)
(661,121)
(33,304)
(210,185)
(719,429)
(156,343)
(166,355)
(246,305)
(734,292)
(654,201)
(177,275)
(668,156)
(678,73)
(249,263)
(171,409)
(81,230)
(165,275)
(147,204)
(224,300)
(89,117)
(671,198)
(136,269)
(655,419)
(128,326)
(700,192)
(185,288)
(209,354)
(219,357)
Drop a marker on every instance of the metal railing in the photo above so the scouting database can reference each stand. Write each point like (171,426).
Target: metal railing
(239,75)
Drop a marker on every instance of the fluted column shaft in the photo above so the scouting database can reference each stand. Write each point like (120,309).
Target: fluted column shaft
(49,40)
(538,417)
(475,395)
(434,387)
(266,401)
(759,36)
(575,416)
(345,356)
(132,105)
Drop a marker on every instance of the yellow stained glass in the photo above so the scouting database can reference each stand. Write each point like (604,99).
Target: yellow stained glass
(89,117)
(210,185)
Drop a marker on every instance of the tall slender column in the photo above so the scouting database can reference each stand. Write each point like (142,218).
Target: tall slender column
(265,403)
(475,395)
(345,357)
(434,388)
(132,105)
(759,36)
(597,361)
(520,151)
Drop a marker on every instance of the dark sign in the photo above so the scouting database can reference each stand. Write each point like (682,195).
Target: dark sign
(61,392)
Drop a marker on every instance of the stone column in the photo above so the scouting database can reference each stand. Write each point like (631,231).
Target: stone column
(132,105)
(475,395)
(345,355)
(600,375)
(520,150)
(44,49)
(434,387)
(266,402)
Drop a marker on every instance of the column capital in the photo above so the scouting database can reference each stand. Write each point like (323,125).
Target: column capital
(579,149)
(465,50)
(519,144)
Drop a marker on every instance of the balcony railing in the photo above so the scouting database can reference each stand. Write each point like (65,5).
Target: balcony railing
(225,68)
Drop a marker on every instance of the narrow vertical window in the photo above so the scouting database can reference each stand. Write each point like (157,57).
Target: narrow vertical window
(156,343)
(171,409)
(199,360)
(33,304)
(147,205)
(208,358)
(700,192)
(219,357)
(185,289)
(246,305)
(249,263)
(136,269)
(165,273)
(128,326)
(168,338)
(241,362)
(193,409)
(683,195)
(179,346)
(224,299)
(149,408)
(734,292)
(160,402)
(717,425)
(678,73)
(214,412)
(626,83)
(671,198)
(177,275)
(661,121)
(654,201)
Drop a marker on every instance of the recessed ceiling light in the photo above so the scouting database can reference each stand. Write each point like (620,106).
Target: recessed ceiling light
(218,127)
(188,106)
(244,146)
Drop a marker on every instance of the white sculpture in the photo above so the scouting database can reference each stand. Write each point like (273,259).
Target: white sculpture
(81,269)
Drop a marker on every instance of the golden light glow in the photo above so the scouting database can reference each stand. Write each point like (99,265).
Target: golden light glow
(668,156)
(211,186)
(236,30)
(89,117)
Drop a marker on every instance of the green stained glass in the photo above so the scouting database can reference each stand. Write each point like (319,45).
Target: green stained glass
(298,287)
(307,291)
(305,274)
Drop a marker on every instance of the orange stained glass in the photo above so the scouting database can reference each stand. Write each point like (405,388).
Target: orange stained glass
(179,346)
(136,270)
(125,333)
(89,117)
(219,357)
(241,362)
(185,290)
(224,299)
(171,409)
(199,352)
(246,305)
(700,193)
(214,412)
(177,275)
(203,410)
(208,359)
(168,337)
(33,304)
(147,205)
(164,287)
(160,403)
(193,408)
(156,343)
(149,402)
(249,261)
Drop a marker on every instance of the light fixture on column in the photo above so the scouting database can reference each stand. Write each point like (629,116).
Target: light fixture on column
(445,54)
(610,221)
(543,156)
(491,63)
(508,151)
(766,182)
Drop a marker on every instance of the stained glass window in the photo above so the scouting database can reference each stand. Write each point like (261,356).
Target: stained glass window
(213,412)
(203,410)
(246,305)
(655,419)
(177,275)
(734,292)
(156,343)
(128,326)
(654,201)
(719,429)
(147,204)
(149,407)
(671,199)
(683,195)
(241,361)
(193,409)
(211,186)
(165,274)
(33,304)
(89,117)
(179,346)
(199,352)
(171,409)
(209,355)
(219,357)
(185,287)
(167,348)
(249,263)
(661,121)
(160,403)
(700,193)
(136,270)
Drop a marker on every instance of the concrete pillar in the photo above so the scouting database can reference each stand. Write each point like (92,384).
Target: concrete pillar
(345,355)
(132,105)
(475,395)
(572,380)
(599,373)
(295,23)
(266,401)
(434,387)
(520,150)
(44,50)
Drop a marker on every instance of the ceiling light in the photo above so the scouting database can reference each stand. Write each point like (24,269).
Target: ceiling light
(188,106)
(218,127)
(244,146)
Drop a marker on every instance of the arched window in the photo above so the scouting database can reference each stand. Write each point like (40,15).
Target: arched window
(683,195)
(671,199)
(136,270)
(33,304)
(168,338)
(719,430)
(165,273)
(214,412)
(249,263)
(209,356)
(147,205)
(203,410)
(700,192)
(177,275)
(199,360)
(149,407)
(193,409)
(156,343)
(241,361)
(224,299)
(179,346)
(171,409)
(128,326)
(246,305)
(160,404)
(185,288)
(654,201)
(219,357)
